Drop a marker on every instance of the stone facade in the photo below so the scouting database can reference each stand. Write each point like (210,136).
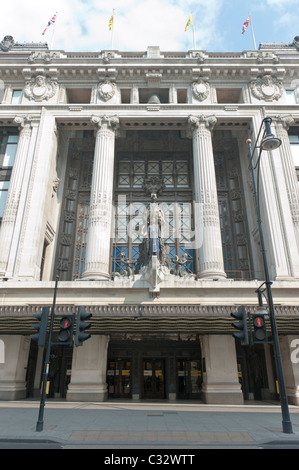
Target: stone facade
(97,146)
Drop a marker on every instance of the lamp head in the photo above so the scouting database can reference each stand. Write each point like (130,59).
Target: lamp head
(269,142)
(261,310)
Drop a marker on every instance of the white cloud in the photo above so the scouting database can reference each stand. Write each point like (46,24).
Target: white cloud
(280,4)
(83,25)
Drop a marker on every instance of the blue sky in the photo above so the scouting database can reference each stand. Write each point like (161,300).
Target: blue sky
(83,25)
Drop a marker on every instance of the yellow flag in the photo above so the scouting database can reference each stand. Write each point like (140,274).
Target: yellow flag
(189,22)
(111,21)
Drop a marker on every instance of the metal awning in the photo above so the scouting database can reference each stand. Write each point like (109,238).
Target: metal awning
(150,319)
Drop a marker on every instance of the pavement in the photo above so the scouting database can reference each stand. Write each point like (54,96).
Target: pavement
(127,424)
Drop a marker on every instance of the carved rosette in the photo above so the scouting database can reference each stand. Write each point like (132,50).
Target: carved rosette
(106,90)
(200,90)
(40,88)
(267,88)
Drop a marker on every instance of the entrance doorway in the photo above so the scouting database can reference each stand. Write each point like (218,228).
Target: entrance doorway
(189,378)
(119,378)
(153,384)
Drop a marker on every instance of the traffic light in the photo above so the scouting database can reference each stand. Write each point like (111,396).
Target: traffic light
(259,328)
(81,326)
(65,335)
(41,327)
(241,325)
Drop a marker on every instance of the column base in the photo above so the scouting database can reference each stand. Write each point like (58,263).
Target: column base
(87,393)
(12,391)
(212,275)
(222,394)
(95,276)
(293,396)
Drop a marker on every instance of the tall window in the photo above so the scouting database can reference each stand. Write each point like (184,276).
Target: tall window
(233,222)
(8,148)
(16,97)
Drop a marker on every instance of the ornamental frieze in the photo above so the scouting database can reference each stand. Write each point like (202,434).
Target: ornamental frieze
(40,88)
(267,88)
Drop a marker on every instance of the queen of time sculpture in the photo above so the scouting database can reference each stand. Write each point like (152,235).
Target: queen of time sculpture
(152,227)
(154,261)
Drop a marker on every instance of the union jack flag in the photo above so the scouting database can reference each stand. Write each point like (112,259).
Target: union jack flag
(245,25)
(52,21)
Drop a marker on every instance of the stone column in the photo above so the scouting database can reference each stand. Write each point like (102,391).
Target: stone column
(282,125)
(14,192)
(13,371)
(274,211)
(220,377)
(38,200)
(207,220)
(89,368)
(100,212)
(289,347)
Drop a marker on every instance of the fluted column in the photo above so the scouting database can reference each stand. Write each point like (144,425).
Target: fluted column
(206,200)
(282,125)
(275,212)
(14,191)
(100,211)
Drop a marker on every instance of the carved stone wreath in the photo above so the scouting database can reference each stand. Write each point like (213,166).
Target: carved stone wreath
(267,88)
(106,90)
(200,90)
(40,88)
(7,43)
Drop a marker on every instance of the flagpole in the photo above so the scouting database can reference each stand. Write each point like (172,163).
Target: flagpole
(252,32)
(112,37)
(194,48)
(53,34)
(190,21)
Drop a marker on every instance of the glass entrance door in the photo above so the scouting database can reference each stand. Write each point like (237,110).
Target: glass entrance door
(153,378)
(189,378)
(118,378)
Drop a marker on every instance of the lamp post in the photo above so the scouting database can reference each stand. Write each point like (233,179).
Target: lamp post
(270,142)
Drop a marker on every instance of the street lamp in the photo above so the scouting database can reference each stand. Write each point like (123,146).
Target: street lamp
(270,142)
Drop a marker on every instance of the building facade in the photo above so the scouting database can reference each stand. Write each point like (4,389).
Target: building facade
(126,174)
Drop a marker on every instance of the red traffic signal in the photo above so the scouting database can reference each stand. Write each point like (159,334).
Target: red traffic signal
(259,326)
(65,335)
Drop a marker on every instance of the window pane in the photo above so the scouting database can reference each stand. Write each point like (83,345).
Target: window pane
(10,151)
(3,196)
(295,153)
(290,97)
(16,96)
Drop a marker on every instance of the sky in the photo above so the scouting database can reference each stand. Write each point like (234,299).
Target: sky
(83,26)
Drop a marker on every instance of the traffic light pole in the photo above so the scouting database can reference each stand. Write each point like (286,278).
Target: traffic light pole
(286,421)
(40,421)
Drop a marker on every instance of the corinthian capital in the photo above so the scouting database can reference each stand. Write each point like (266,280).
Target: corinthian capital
(285,121)
(23,121)
(110,122)
(199,121)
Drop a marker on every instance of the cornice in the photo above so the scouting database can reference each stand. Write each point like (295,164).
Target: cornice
(242,66)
